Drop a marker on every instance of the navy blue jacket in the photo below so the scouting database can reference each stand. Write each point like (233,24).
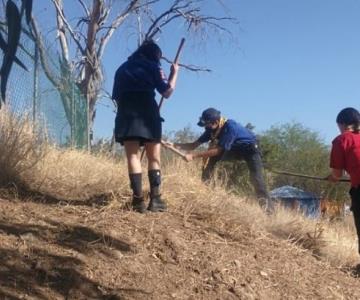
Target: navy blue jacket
(139,74)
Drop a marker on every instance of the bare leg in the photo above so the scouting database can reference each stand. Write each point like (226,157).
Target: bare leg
(132,155)
(153,151)
(135,174)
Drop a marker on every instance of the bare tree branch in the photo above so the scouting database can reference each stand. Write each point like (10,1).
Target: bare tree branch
(62,34)
(158,28)
(215,22)
(114,25)
(134,5)
(173,8)
(86,10)
(189,10)
(60,13)
(44,60)
(139,26)
(189,67)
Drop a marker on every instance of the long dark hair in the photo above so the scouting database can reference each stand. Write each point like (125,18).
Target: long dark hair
(150,50)
(349,117)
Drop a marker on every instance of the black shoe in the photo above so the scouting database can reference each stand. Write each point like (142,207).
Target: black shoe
(156,204)
(138,204)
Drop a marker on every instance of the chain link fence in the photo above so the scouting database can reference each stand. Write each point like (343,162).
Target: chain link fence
(49,92)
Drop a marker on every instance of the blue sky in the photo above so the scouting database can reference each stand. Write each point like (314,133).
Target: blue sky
(287,61)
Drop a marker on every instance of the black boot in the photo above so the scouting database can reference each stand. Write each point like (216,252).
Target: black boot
(138,204)
(156,204)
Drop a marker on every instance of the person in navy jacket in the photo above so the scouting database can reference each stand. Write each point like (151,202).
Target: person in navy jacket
(138,121)
(228,140)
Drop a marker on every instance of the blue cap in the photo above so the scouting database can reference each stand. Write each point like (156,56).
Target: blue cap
(208,116)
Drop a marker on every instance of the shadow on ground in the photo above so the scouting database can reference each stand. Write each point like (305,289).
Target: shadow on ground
(34,269)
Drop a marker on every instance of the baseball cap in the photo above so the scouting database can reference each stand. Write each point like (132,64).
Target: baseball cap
(209,115)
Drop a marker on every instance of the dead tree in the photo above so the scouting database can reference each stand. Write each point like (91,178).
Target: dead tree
(92,31)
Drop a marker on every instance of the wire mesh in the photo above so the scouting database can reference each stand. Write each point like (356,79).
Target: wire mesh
(60,109)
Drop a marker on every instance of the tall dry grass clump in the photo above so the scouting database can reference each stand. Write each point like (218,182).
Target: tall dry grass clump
(69,174)
(21,147)
(29,162)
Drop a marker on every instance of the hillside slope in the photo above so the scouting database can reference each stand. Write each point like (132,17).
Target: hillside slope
(87,250)
(66,233)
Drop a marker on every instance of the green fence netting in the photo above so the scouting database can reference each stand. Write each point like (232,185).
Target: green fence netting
(49,92)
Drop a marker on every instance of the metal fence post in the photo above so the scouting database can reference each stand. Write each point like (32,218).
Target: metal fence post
(36,83)
(73,134)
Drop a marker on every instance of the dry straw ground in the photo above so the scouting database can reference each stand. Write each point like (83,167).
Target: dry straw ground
(66,233)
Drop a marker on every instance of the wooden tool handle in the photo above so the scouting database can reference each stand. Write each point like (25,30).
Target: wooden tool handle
(306,176)
(182,42)
(176,60)
(173,149)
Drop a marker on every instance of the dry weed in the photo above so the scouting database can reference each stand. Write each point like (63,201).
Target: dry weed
(28,162)
(21,147)
(73,174)
(232,216)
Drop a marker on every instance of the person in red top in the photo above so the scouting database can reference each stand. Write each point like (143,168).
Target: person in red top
(345,156)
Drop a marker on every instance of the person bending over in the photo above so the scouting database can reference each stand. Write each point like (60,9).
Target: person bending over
(228,140)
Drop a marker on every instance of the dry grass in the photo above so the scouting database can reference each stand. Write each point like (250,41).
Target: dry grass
(28,161)
(74,175)
(77,175)
(21,147)
(333,242)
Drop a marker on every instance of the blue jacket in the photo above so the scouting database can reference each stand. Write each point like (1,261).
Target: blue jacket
(233,136)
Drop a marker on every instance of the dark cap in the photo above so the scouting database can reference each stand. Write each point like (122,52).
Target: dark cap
(209,115)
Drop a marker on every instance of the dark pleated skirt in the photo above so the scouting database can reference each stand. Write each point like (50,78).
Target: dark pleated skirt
(138,118)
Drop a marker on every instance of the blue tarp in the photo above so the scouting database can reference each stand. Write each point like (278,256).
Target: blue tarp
(292,197)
